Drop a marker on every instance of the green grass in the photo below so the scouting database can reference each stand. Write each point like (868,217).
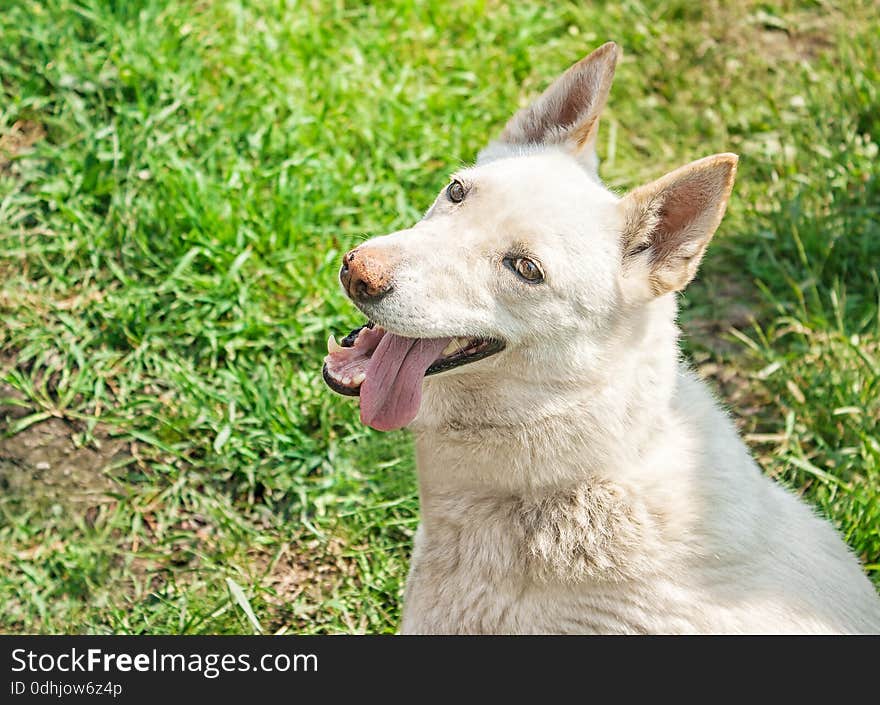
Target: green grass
(178,181)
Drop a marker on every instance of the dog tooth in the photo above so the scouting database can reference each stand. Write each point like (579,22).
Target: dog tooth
(332,345)
(346,381)
(452,347)
(358,378)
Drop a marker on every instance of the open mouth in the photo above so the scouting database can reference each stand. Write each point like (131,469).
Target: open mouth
(386,370)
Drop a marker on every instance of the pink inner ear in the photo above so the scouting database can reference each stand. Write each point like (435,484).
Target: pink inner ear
(570,106)
(674,218)
(683,203)
(577,100)
(564,111)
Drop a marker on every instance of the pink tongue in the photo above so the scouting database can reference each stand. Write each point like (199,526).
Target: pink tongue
(392,390)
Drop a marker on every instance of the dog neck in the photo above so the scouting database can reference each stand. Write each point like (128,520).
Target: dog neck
(509,433)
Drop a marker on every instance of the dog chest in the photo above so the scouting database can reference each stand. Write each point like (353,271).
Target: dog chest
(553,562)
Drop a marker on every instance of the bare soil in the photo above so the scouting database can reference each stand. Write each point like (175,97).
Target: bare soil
(18,140)
(44,465)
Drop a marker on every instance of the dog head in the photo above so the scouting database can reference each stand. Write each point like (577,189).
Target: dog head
(525,266)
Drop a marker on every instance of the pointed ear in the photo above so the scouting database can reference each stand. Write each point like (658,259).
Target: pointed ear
(567,113)
(669,222)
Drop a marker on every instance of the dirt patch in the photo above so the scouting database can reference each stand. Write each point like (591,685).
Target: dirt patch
(787,37)
(43,464)
(23,135)
(726,304)
(803,39)
(299,580)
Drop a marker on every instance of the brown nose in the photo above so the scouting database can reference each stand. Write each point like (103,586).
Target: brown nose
(366,274)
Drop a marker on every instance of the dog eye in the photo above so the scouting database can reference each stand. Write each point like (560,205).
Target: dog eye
(525,269)
(455,192)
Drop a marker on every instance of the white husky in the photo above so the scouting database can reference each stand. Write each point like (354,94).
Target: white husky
(575,476)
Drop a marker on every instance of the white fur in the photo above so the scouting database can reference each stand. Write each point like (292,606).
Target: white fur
(584,480)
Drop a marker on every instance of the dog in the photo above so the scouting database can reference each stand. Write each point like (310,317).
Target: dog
(574,475)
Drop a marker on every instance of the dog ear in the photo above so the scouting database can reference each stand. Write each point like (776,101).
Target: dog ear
(669,222)
(567,113)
